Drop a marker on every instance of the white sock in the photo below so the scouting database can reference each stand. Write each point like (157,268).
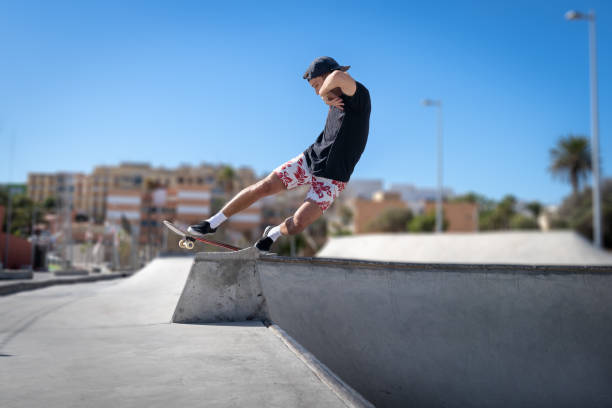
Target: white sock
(217,219)
(274,233)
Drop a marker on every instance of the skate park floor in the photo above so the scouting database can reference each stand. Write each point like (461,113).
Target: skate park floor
(111,343)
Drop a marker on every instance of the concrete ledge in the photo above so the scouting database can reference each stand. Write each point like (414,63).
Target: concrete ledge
(16,274)
(11,288)
(222,286)
(455,267)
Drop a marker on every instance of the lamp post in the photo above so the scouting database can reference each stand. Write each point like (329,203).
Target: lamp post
(9,217)
(438,104)
(590,17)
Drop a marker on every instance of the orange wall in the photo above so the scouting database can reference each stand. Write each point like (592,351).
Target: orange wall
(462,217)
(367,210)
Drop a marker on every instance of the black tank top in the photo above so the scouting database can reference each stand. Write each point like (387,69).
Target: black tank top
(338,148)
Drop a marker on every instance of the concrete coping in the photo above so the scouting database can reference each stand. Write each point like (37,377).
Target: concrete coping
(446,267)
(250,253)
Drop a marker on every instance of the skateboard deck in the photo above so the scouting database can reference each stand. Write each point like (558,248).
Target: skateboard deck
(188,240)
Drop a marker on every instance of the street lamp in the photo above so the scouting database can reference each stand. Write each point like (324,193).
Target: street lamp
(438,104)
(590,17)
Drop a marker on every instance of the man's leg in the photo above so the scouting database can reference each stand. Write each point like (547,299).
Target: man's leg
(320,197)
(272,184)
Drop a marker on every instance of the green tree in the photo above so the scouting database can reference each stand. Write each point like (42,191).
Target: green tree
(499,217)
(423,223)
(21,218)
(227,177)
(3,196)
(49,204)
(426,222)
(571,160)
(535,208)
(576,212)
(484,204)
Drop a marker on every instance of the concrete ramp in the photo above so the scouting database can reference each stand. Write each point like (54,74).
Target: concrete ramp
(558,247)
(427,335)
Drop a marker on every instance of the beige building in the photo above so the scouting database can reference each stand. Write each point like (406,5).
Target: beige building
(461,217)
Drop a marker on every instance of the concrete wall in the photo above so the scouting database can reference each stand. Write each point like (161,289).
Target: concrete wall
(451,335)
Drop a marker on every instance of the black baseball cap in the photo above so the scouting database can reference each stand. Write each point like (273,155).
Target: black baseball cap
(323,65)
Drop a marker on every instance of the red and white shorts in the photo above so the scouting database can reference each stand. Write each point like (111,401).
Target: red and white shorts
(295,173)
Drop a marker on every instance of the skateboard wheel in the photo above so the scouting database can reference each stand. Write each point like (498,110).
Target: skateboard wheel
(189,245)
(182,243)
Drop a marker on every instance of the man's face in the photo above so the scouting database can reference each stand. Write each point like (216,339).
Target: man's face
(316,82)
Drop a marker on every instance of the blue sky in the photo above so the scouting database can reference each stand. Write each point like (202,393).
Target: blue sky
(170,82)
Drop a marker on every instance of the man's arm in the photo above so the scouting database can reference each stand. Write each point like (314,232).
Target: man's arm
(339,79)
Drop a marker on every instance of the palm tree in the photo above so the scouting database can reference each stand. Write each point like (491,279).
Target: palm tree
(571,160)
(226,177)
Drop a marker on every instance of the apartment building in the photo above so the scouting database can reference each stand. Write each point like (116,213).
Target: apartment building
(135,177)
(125,204)
(88,193)
(72,187)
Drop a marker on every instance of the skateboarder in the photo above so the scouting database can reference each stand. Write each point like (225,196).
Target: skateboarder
(326,165)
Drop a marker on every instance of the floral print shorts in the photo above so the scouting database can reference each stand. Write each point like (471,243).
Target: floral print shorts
(295,173)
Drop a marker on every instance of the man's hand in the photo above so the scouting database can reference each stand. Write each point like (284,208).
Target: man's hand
(332,98)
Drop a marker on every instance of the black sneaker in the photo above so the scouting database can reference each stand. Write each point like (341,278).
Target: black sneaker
(265,242)
(200,229)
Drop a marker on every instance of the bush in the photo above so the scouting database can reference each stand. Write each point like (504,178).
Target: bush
(391,220)
(521,222)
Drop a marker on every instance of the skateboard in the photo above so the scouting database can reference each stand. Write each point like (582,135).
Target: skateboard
(187,242)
